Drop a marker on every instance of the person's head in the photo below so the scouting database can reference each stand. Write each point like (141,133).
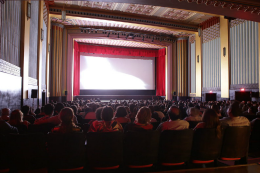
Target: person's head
(132,107)
(98,113)
(59,107)
(233,110)
(151,108)
(37,111)
(49,109)
(143,115)
(87,110)
(215,108)
(174,113)
(66,116)
(75,109)
(107,113)
(16,116)
(120,111)
(5,112)
(42,109)
(210,118)
(25,110)
(193,112)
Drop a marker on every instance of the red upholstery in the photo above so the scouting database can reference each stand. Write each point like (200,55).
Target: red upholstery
(106,168)
(140,166)
(72,169)
(43,170)
(202,161)
(224,158)
(4,170)
(172,164)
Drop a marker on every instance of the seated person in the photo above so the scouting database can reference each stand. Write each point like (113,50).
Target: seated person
(174,122)
(5,114)
(142,122)
(67,126)
(98,116)
(107,124)
(216,108)
(6,128)
(120,115)
(16,120)
(155,116)
(89,114)
(210,120)
(28,114)
(234,117)
(75,110)
(49,118)
(49,111)
(193,114)
(133,111)
(41,114)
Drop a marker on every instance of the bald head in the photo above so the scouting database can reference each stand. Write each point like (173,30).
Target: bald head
(174,113)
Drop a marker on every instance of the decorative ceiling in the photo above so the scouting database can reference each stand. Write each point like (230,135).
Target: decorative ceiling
(96,23)
(123,43)
(177,15)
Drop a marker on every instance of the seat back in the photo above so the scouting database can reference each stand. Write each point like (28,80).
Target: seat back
(235,142)
(27,151)
(104,149)
(175,146)
(41,128)
(4,156)
(155,125)
(66,151)
(255,133)
(206,145)
(141,148)
(193,124)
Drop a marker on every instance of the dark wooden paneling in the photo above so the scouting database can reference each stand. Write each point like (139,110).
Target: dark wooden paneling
(10,91)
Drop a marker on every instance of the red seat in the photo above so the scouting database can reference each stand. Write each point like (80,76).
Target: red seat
(172,164)
(202,161)
(224,158)
(140,166)
(106,168)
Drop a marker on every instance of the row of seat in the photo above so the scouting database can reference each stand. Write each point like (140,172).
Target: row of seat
(108,150)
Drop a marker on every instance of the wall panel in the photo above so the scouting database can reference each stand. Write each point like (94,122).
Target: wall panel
(244,53)
(193,68)
(211,63)
(33,39)
(10,32)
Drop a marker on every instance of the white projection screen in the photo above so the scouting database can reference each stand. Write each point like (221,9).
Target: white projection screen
(109,73)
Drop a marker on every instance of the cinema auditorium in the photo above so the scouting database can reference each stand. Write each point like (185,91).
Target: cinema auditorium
(129,86)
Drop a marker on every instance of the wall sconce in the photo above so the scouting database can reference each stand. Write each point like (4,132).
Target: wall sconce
(28,10)
(42,34)
(198,58)
(224,51)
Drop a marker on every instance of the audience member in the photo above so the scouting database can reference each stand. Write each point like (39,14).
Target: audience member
(120,115)
(67,126)
(49,111)
(6,128)
(107,125)
(210,120)
(16,120)
(234,116)
(142,122)
(89,114)
(5,114)
(41,114)
(193,114)
(174,122)
(28,114)
(75,110)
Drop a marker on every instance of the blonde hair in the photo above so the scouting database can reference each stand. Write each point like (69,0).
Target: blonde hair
(143,115)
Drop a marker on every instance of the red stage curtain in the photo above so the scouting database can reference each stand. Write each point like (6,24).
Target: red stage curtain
(160,73)
(117,51)
(76,87)
(160,67)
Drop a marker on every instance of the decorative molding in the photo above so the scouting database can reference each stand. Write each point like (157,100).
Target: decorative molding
(87,14)
(225,4)
(9,68)
(204,89)
(57,24)
(32,81)
(211,33)
(236,22)
(246,86)
(45,14)
(192,39)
